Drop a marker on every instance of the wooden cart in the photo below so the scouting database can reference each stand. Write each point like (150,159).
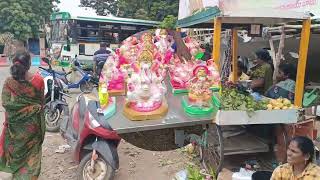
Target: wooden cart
(218,141)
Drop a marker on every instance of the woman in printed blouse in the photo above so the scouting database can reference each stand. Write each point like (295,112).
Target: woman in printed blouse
(262,72)
(300,155)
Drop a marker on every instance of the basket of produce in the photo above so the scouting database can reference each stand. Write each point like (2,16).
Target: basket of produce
(242,108)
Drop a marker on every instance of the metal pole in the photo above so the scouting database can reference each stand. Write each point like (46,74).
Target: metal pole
(217,41)
(303,55)
(234,55)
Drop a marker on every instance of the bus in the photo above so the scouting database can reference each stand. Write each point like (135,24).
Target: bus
(70,36)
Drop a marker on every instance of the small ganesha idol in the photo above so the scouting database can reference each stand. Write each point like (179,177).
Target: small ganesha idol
(180,74)
(146,90)
(199,86)
(113,75)
(214,74)
(199,98)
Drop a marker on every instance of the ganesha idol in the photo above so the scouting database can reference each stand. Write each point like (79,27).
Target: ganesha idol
(180,74)
(199,98)
(214,75)
(145,90)
(113,75)
(164,45)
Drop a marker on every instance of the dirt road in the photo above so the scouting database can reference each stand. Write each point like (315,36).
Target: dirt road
(135,163)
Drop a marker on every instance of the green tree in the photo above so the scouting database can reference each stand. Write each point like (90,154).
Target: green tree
(140,9)
(169,22)
(23,18)
(100,6)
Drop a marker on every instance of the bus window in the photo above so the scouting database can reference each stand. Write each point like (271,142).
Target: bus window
(82,49)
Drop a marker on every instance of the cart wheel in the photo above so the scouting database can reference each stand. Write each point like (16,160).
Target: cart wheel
(212,154)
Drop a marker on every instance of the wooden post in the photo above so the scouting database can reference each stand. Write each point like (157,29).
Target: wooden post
(303,55)
(217,41)
(234,55)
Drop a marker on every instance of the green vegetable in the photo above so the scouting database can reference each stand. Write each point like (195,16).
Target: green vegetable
(231,99)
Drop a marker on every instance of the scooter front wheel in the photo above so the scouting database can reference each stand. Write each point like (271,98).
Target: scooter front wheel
(52,119)
(86,87)
(100,171)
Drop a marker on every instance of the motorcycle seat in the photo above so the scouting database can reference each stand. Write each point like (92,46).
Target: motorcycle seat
(92,108)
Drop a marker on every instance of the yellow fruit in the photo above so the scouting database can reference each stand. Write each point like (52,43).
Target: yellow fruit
(286,102)
(291,107)
(269,106)
(276,108)
(280,100)
(284,107)
(273,102)
(280,105)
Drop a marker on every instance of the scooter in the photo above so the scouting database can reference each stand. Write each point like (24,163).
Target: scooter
(55,102)
(85,83)
(93,141)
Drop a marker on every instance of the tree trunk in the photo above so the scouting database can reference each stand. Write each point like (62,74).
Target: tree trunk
(182,50)
(279,54)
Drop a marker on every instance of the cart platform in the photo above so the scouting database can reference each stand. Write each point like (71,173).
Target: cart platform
(175,118)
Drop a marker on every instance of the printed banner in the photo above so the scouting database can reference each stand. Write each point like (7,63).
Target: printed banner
(188,7)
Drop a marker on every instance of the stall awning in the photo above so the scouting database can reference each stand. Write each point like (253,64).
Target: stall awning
(200,18)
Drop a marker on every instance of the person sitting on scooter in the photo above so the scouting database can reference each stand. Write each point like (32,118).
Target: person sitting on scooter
(101,55)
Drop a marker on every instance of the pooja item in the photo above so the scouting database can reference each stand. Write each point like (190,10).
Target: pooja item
(114,77)
(146,90)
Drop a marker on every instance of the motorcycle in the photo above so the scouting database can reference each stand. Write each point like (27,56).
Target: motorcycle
(56,104)
(93,141)
(86,83)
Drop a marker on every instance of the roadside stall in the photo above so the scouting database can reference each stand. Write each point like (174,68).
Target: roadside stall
(242,107)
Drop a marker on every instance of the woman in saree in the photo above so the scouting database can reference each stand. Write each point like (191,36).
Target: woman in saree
(262,72)
(286,85)
(24,127)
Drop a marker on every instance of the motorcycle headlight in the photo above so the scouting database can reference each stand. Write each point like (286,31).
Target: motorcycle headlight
(93,122)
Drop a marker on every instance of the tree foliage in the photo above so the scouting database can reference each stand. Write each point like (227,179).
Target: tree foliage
(169,22)
(23,18)
(139,9)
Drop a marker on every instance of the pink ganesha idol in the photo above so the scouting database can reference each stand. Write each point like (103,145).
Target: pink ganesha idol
(180,74)
(114,77)
(164,46)
(146,90)
(128,50)
(214,75)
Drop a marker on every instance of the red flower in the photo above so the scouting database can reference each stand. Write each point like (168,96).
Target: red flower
(23,170)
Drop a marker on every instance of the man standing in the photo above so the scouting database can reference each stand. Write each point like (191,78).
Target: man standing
(100,57)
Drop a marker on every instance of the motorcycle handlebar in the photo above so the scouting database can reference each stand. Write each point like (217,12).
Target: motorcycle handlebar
(48,70)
